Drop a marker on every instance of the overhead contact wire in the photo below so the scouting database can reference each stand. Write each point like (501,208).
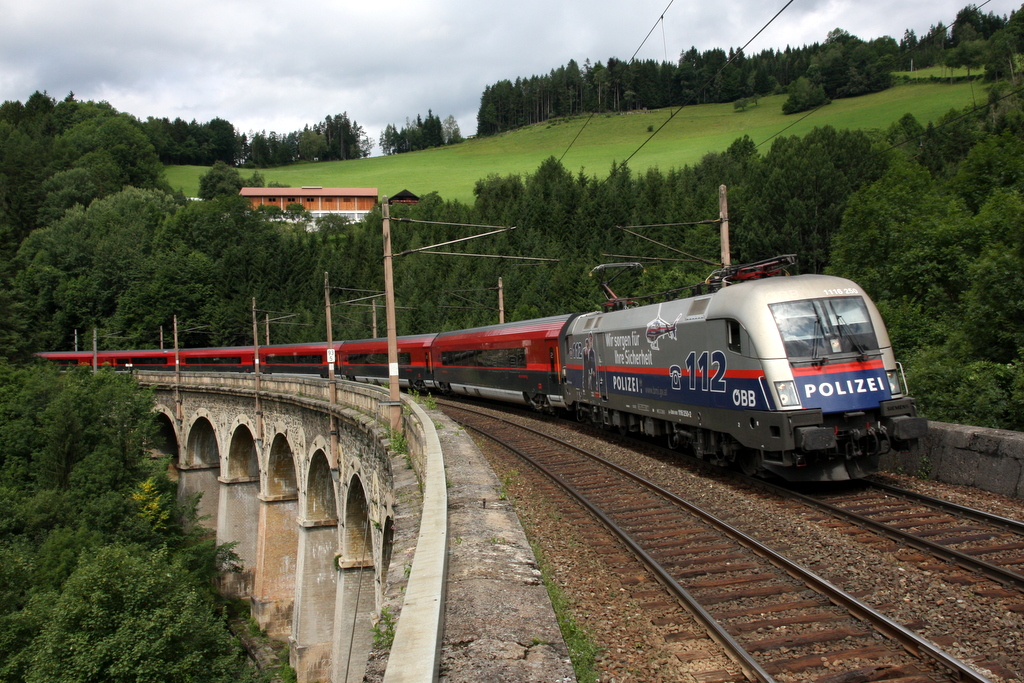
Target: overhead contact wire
(661,19)
(727,63)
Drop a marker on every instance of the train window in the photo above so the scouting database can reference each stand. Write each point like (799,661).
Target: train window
(404,358)
(458,357)
(485,358)
(214,360)
(124,361)
(368,359)
(314,359)
(154,360)
(822,327)
(734,336)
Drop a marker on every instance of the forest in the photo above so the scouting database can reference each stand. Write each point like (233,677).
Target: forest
(926,218)
(95,551)
(842,66)
(201,144)
(104,575)
(420,134)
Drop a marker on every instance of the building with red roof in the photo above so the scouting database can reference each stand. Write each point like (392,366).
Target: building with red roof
(352,202)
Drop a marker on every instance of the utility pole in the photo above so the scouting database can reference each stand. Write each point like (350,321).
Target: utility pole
(501,303)
(161,337)
(95,353)
(267,329)
(332,388)
(256,370)
(177,376)
(394,401)
(723,214)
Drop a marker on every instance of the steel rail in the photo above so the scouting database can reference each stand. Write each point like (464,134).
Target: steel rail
(994,572)
(752,670)
(910,641)
(1007,523)
(973,564)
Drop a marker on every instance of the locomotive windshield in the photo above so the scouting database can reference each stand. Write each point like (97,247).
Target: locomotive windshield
(819,328)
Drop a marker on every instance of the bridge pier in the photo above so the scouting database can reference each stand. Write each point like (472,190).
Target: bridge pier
(193,479)
(356,610)
(315,596)
(238,522)
(274,586)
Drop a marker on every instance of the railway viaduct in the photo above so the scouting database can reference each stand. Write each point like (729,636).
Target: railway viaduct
(302,485)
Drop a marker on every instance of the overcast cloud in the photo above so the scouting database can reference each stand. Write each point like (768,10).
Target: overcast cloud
(278,66)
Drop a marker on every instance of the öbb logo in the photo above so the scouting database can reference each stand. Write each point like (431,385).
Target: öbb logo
(744,397)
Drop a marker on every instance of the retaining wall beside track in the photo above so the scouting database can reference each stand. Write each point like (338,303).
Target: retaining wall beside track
(988,459)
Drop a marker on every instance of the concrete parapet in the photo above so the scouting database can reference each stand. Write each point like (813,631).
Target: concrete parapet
(416,652)
(988,459)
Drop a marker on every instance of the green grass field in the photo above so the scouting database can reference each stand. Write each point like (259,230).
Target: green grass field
(938,72)
(692,133)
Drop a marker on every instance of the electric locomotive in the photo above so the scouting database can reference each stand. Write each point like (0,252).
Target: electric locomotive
(789,375)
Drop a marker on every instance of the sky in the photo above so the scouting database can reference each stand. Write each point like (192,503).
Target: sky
(279,66)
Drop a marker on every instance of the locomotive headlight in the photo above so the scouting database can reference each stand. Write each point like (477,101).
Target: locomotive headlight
(894,382)
(787,393)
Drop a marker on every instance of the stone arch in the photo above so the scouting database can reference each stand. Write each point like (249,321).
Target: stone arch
(358,541)
(281,478)
(321,502)
(198,474)
(202,449)
(243,459)
(386,544)
(165,442)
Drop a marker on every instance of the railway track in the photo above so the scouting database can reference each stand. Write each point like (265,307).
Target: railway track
(774,618)
(977,541)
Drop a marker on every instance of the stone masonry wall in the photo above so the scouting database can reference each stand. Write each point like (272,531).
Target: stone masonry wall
(988,459)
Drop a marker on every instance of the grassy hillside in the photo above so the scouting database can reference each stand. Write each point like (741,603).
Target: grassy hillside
(694,132)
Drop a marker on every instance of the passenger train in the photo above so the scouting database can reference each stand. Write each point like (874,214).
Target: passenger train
(793,376)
